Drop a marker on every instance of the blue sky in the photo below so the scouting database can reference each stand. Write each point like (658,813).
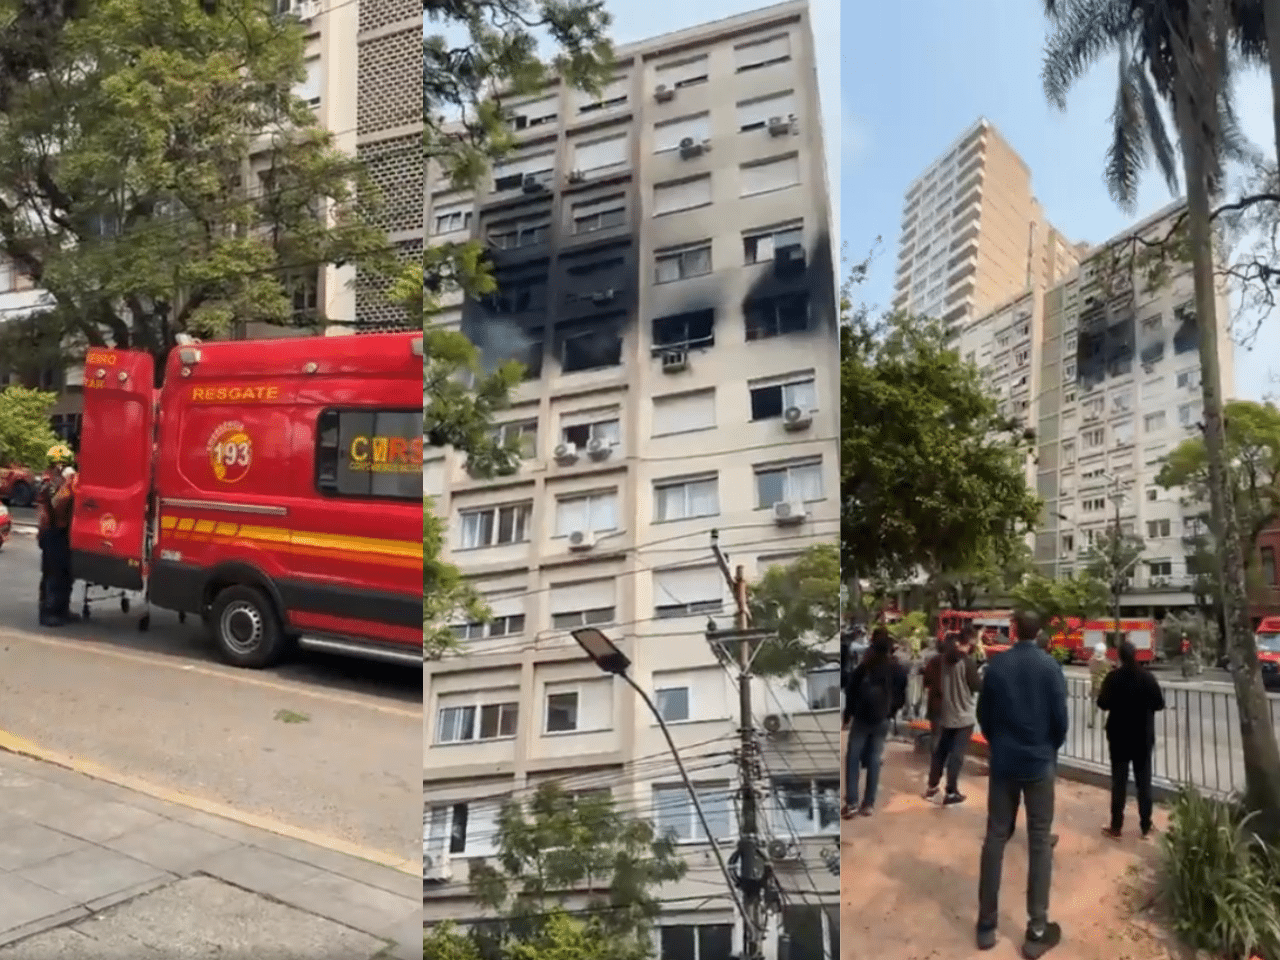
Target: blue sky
(915,75)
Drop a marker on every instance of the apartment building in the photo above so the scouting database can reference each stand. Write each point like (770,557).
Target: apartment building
(665,273)
(378,118)
(973,234)
(1121,388)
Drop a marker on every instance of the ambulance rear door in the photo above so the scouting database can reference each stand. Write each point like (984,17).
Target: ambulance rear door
(108,532)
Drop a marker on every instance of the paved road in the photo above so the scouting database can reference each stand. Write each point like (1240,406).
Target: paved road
(326,744)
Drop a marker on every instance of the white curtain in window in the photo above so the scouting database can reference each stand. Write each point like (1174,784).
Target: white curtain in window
(770,175)
(667,136)
(311,87)
(669,197)
(802,394)
(688,498)
(804,482)
(597,154)
(583,595)
(687,585)
(681,412)
(759,111)
(597,513)
(750,54)
(482,828)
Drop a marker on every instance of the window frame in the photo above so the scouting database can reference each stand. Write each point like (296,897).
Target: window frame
(477,721)
(525,505)
(318,462)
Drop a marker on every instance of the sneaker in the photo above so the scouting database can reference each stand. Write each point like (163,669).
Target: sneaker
(1146,831)
(1111,833)
(931,793)
(986,938)
(951,799)
(1038,943)
(848,812)
(865,810)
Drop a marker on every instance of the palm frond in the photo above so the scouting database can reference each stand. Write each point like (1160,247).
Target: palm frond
(1157,132)
(1127,154)
(1083,32)
(1249,31)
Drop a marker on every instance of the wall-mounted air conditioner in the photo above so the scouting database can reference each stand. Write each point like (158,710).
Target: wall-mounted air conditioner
(532,184)
(674,361)
(599,449)
(690,148)
(781,126)
(788,513)
(796,419)
(662,93)
(566,454)
(577,176)
(581,540)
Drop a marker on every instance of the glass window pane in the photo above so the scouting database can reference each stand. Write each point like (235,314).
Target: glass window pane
(571,515)
(771,487)
(604,513)
(673,703)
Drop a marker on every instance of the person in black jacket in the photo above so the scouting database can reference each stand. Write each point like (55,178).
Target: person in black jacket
(1130,697)
(877,690)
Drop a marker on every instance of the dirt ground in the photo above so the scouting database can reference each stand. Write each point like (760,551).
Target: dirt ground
(910,877)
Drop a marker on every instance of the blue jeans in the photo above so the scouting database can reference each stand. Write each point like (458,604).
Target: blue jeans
(866,750)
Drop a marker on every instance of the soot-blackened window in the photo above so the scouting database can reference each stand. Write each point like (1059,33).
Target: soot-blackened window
(589,345)
(694,329)
(369,454)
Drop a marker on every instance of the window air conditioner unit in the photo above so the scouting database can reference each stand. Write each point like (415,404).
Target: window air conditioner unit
(776,725)
(663,93)
(598,449)
(780,126)
(690,148)
(531,184)
(796,418)
(581,540)
(601,297)
(782,851)
(577,176)
(674,361)
(566,454)
(306,10)
(788,513)
(436,869)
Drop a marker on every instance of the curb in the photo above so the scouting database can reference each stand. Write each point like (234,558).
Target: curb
(1074,771)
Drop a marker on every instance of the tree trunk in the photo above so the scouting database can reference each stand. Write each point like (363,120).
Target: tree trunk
(1257,736)
(1271,17)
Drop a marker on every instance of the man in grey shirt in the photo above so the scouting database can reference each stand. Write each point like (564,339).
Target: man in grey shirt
(958,683)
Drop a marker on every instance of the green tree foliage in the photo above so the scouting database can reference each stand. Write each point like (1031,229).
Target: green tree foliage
(799,603)
(1057,600)
(25,432)
(985,576)
(477,55)
(1112,560)
(123,159)
(1253,469)
(932,476)
(558,847)
(561,937)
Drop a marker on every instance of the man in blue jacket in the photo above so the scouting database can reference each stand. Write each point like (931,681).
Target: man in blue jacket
(1022,712)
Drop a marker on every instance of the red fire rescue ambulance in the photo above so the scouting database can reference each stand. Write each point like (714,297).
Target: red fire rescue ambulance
(1077,637)
(274,488)
(1268,640)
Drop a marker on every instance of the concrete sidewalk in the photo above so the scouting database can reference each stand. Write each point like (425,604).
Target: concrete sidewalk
(92,870)
(910,874)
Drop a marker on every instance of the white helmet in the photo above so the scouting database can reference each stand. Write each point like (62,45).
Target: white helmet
(1100,650)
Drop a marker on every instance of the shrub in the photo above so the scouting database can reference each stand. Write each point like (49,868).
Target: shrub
(1061,654)
(1220,882)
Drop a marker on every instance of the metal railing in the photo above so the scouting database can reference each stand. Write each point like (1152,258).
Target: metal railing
(1197,737)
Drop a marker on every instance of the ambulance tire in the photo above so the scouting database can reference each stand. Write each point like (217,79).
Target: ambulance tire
(249,612)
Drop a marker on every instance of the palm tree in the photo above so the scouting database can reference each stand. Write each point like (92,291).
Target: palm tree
(1179,54)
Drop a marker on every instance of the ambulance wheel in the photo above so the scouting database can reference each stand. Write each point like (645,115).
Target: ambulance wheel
(246,628)
(182,616)
(144,623)
(124,604)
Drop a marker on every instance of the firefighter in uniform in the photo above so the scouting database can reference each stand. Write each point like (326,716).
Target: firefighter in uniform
(54,505)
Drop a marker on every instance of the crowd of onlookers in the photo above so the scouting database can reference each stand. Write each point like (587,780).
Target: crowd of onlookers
(1018,700)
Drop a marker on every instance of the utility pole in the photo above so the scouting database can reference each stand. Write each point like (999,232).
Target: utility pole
(1115,563)
(751,868)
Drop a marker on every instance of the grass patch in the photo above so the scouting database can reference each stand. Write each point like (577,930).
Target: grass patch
(291,716)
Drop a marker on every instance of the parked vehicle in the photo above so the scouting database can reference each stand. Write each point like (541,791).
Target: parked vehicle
(272,488)
(18,486)
(6,525)
(1077,637)
(1268,640)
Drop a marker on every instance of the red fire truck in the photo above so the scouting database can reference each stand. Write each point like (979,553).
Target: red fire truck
(1268,640)
(1078,637)
(272,488)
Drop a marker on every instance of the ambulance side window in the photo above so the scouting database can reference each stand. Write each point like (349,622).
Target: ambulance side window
(369,454)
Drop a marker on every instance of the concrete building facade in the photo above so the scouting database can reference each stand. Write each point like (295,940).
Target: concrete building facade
(1121,388)
(973,233)
(665,273)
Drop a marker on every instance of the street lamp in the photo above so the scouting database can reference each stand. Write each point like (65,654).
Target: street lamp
(611,660)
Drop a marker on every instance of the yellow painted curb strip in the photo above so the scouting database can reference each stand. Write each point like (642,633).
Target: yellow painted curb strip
(13,744)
